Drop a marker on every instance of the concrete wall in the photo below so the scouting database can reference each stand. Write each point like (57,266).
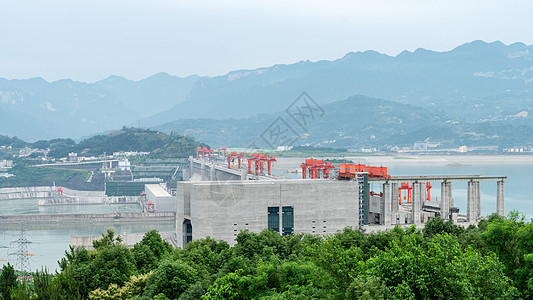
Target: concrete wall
(88,218)
(205,170)
(222,209)
(27,192)
(162,200)
(127,239)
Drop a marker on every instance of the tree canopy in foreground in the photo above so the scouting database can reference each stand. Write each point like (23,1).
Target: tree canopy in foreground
(493,260)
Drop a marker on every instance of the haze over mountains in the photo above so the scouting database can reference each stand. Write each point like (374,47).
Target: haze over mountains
(478,93)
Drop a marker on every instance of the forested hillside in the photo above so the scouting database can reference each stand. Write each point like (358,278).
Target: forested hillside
(493,260)
(127,139)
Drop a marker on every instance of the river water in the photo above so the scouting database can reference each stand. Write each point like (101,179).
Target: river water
(47,243)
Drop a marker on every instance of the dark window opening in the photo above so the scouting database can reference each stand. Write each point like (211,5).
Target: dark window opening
(273,218)
(287,220)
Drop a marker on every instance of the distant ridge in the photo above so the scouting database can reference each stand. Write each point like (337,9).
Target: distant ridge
(474,83)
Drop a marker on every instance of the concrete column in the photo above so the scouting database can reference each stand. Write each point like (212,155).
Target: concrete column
(212,172)
(450,194)
(191,167)
(478,199)
(394,197)
(387,205)
(471,202)
(444,201)
(202,170)
(500,200)
(243,173)
(417,202)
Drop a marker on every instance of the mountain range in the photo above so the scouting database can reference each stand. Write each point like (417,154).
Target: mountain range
(476,94)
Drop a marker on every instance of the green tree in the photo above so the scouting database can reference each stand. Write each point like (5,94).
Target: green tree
(111,264)
(108,240)
(43,286)
(367,288)
(511,239)
(226,287)
(8,281)
(150,250)
(438,226)
(171,278)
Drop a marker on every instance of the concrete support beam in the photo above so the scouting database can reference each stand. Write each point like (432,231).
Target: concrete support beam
(244,171)
(449,193)
(202,170)
(500,198)
(473,201)
(418,199)
(470,201)
(394,197)
(191,167)
(212,171)
(387,221)
(444,201)
(478,199)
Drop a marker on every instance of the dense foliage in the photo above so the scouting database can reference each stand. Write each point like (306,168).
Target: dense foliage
(493,260)
(38,176)
(129,139)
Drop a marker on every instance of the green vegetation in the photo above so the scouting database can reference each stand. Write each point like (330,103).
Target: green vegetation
(13,142)
(129,139)
(443,261)
(38,176)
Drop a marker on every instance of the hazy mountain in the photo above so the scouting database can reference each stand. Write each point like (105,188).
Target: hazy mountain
(475,85)
(36,109)
(356,122)
(475,81)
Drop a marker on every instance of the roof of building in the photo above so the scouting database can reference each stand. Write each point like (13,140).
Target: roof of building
(157,190)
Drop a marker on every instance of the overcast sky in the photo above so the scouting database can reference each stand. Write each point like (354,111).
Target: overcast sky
(90,40)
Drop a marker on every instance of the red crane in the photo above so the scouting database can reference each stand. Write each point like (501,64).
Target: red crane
(328,166)
(222,149)
(269,162)
(405,186)
(315,167)
(150,207)
(350,171)
(198,150)
(428,191)
(209,152)
(255,159)
(232,156)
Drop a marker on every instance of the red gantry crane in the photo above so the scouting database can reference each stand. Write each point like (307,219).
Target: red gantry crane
(259,161)
(315,167)
(231,158)
(223,149)
(350,171)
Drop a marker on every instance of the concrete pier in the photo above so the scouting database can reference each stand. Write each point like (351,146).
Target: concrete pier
(394,197)
(450,194)
(473,200)
(212,171)
(478,199)
(418,199)
(202,170)
(387,205)
(500,204)
(445,199)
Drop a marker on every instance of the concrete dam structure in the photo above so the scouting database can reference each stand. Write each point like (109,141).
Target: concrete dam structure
(220,200)
(420,208)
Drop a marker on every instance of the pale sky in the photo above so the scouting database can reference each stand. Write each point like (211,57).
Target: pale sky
(90,40)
